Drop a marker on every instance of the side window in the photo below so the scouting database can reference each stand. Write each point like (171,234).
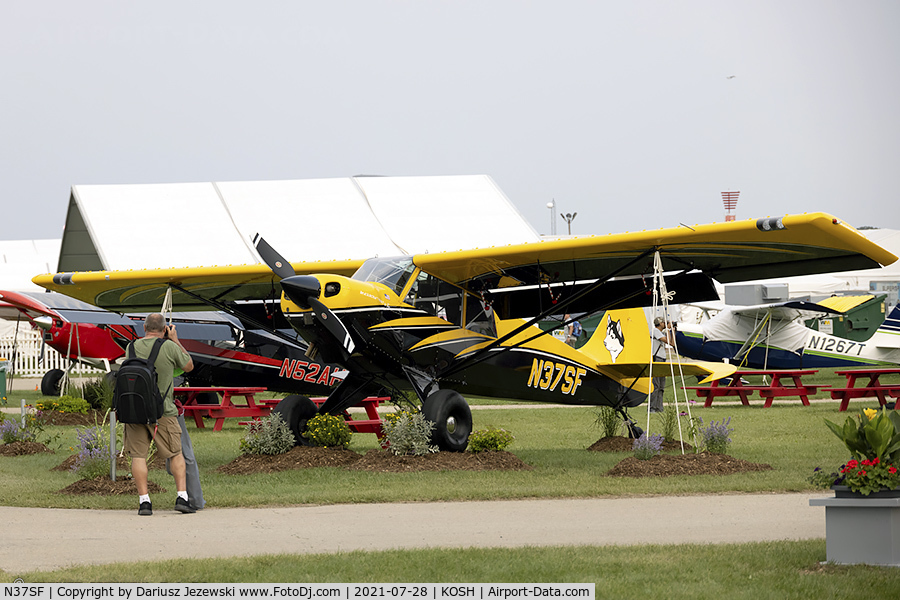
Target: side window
(479,318)
(436,297)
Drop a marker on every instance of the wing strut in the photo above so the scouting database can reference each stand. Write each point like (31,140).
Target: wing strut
(482,354)
(242,316)
(753,339)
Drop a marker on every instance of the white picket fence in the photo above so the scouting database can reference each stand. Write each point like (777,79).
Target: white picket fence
(26,349)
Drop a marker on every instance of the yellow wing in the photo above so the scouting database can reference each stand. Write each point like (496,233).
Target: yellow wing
(143,291)
(734,251)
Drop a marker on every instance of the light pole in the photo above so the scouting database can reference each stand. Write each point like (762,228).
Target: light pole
(552,206)
(569,217)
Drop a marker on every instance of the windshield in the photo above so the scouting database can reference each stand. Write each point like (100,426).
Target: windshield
(393,272)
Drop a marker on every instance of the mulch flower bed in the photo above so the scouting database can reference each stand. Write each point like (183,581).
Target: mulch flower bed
(23,448)
(122,463)
(104,487)
(380,461)
(624,444)
(665,465)
(304,457)
(64,418)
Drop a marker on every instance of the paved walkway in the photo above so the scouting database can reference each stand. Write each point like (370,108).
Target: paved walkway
(44,539)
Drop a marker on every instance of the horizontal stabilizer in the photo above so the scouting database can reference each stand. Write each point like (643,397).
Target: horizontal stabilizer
(710,371)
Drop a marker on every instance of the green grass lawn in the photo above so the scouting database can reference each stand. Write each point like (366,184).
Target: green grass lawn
(792,438)
(774,570)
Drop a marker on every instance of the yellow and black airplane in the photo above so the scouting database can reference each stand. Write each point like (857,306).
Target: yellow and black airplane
(464,322)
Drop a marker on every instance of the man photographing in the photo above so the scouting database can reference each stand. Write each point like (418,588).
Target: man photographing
(167,431)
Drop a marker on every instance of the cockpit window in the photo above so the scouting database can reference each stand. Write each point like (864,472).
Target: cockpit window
(392,272)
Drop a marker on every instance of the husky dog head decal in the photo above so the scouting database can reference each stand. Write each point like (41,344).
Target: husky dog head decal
(615,339)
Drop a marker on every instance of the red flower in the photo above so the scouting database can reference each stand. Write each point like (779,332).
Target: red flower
(861,473)
(875,461)
(866,463)
(852,464)
(892,470)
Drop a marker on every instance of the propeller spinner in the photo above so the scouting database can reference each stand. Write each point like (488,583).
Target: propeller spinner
(304,290)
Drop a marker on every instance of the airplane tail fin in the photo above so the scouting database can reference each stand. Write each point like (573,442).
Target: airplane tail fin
(621,347)
(621,337)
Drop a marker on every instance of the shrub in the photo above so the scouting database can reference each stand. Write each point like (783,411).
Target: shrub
(64,404)
(646,447)
(609,421)
(669,423)
(269,435)
(408,433)
(328,431)
(11,431)
(98,393)
(33,431)
(715,436)
(490,439)
(93,458)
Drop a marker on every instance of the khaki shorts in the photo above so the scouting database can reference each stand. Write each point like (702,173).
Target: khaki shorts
(167,436)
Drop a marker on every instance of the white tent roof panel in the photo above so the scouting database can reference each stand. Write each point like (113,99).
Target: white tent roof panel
(436,214)
(160,225)
(20,260)
(309,219)
(113,227)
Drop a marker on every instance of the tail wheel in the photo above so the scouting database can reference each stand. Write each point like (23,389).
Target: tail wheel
(452,420)
(631,428)
(296,411)
(51,382)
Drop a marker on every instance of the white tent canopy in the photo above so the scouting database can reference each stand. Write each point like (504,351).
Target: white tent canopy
(20,260)
(117,227)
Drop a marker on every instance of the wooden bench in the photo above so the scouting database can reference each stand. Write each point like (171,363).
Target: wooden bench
(714,391)
(873,388)
(776,388)
(372,424)
(189,398)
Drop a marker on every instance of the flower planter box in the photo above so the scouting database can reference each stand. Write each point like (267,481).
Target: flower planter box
(842,491)
(861,530)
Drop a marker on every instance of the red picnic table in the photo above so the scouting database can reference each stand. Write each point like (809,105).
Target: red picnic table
(784,382)
(225,408)
(372,424)
(872,388)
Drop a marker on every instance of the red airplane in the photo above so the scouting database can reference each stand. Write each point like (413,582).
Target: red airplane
(226,352)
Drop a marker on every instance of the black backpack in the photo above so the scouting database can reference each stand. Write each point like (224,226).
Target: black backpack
(136,398)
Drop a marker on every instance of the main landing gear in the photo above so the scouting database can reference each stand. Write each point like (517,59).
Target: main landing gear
(452,420)
(296,410)
(51,382)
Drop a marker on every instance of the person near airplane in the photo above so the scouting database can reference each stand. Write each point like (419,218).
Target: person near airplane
(662,336)
(167,431)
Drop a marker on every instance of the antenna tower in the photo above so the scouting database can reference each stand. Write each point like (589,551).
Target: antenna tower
(730,200)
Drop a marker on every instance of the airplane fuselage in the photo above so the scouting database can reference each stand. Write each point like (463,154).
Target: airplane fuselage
(820,350)
(394,340)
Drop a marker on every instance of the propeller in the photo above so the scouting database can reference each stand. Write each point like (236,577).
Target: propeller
(304,290)
(271,257)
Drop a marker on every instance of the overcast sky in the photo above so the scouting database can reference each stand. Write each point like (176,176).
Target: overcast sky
(634,114)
